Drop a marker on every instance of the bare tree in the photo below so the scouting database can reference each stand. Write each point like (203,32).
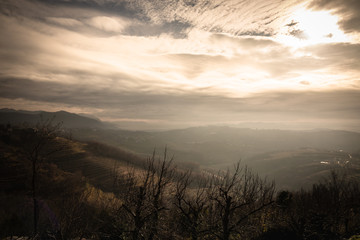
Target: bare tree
(144,193)
(191,201)
(74,214)
(330,210)
(37,146)
(164,174)
(236,196)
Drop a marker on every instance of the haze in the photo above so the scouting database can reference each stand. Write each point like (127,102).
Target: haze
(149,65)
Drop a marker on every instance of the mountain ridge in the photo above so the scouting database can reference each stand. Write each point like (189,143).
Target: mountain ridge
(68,119)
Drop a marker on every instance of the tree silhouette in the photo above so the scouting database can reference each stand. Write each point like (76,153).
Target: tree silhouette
(143,196)
(37,147)
(192,204)
(235,197)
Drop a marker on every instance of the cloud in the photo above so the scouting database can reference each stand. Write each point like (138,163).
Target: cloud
(175,28)
(67,22)
(348,10)
(305,82)
(244,42)
(182,63)
(216,62)
(298,34)
(108,24)
(245,58)
(235,17)
(338,56)
(184,109)
(293,23)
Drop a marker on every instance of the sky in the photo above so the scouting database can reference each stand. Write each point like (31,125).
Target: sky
(154,65)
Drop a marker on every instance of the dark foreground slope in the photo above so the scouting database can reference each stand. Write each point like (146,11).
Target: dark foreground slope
(71,182)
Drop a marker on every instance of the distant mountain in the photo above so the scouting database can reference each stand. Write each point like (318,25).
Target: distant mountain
(68,120)
(221,145)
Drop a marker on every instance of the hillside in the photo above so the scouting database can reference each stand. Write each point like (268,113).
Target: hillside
(292,158)
(99,163)
(97,191)
(74,187)
(302,168)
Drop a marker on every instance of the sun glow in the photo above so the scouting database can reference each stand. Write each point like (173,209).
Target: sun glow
(306,27)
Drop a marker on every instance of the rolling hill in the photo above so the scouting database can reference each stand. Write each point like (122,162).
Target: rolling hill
(293,158)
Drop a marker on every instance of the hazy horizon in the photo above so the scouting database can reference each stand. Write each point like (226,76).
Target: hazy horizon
(295,126)
(146,65)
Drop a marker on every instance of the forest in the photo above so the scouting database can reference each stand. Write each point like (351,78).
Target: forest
(56,187)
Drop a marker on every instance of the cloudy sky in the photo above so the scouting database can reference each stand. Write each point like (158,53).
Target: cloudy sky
(155,64)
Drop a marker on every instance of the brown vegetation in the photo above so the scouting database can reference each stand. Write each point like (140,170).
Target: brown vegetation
(153,199)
